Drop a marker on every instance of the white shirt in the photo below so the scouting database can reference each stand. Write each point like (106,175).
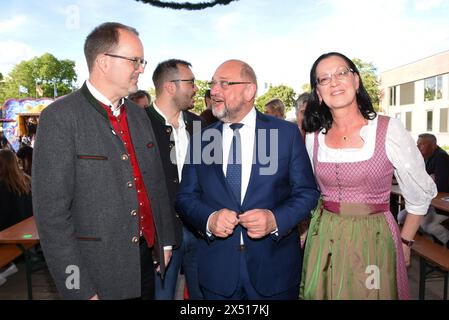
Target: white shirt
(180,137)
(247,135)
(100,97)
(416,185)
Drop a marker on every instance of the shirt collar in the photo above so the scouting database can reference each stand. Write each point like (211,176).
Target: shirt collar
(181,122)
(100,97)
(249,121)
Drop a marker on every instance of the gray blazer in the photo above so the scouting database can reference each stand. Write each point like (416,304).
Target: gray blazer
(84,206)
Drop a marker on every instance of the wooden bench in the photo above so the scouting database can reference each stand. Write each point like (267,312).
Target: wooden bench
(9,252)
(23,236)
(433,256)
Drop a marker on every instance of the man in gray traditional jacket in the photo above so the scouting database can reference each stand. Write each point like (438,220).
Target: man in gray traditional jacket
(99,191)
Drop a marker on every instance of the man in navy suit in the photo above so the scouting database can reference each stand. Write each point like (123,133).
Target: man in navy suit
(246,185)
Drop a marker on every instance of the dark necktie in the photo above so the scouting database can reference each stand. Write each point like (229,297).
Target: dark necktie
(234,168)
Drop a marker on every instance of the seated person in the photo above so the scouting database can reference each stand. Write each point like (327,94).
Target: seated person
(437,166)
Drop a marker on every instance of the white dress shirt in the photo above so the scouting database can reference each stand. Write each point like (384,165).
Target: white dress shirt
(416,185)
(180,137)
(100,97)
(247,135)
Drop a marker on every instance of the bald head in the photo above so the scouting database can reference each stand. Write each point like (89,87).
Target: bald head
(246,71)
(427,144)
(233,91)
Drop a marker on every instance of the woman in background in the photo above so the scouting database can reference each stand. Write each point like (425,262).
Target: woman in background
(15,191)
(15,198)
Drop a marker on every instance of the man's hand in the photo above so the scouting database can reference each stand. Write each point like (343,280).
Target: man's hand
(222,223)
(167,258)
(258,222)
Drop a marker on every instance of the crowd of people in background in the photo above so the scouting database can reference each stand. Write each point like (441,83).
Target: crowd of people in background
(307,230)
(15,193)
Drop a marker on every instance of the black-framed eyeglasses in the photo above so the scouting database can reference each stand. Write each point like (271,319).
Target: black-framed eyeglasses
(225,84)
(191,81)
(137,61)
(341,74)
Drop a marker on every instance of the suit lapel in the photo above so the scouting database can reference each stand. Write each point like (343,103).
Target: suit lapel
(261,124)
(218,166)
(139,137)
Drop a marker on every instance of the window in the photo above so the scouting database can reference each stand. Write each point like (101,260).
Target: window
(408,121)
(433,88)
(443,119)
(429,120)
(407,93)
(392,91)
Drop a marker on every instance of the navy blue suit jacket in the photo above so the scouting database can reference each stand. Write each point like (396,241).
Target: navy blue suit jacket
(274,261)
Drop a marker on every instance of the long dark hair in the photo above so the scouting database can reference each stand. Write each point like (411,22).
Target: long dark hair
(10,174)
(317,115)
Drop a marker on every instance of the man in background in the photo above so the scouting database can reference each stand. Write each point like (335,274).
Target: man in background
(141,98)
(173,127)
(207,116)
(437,166)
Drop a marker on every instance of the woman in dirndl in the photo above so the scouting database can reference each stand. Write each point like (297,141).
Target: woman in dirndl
(354,248)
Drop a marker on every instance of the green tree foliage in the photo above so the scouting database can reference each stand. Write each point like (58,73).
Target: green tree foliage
(200,104)
(306,87)
(152,92)
(283,92)
(370,80)
(46,72)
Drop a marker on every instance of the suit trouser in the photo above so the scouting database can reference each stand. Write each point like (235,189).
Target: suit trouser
(246,291)
(185,256)
(146,270)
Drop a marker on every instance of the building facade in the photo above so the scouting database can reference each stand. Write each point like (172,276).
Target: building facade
(418,94)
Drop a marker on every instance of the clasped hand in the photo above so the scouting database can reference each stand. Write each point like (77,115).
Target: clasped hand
(258,222)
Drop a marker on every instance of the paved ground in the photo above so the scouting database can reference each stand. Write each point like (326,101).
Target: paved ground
(44,289)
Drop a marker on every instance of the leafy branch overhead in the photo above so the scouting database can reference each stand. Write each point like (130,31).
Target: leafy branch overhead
(186,5)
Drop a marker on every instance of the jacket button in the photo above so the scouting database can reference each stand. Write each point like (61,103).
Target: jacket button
(134,213)
(168,130)
(135,239)
(125,157)
(129,184)
(175,180)
(171,145)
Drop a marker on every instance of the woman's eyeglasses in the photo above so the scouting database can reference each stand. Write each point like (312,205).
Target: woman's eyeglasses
(341,74)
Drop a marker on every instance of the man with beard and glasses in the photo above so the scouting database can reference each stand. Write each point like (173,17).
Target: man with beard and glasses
(247,208)
(173,125)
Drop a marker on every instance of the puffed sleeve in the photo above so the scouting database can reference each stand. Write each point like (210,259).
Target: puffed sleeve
(417,187)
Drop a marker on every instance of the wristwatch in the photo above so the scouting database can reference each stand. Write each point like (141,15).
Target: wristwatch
(409,243)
